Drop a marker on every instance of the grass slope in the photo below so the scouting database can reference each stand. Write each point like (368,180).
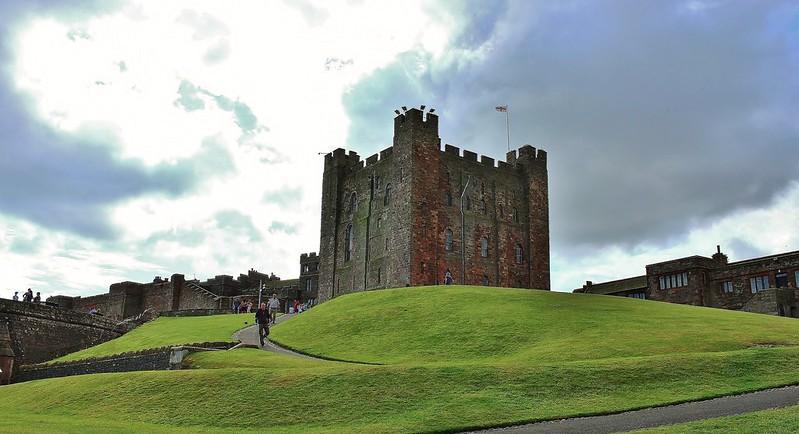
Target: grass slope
(456,358)
(457,323)
(168,331)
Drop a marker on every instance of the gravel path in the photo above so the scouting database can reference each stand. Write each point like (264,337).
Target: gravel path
(659,416)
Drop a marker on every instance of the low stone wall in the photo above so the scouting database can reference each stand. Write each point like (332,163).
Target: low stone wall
(157,359)
(197,312)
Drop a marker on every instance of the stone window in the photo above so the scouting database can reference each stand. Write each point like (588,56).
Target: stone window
(353,206)
(519,254)
(758,283)
(515,215)
(448,240)
(377,183)
(387,197)
(401,174)
(726,287)
(468,203)
(379,222)
(386,248)
(484,247)
(308,284)
(448,199)
(674,281)
(379,275)
(499,211)
(349,241)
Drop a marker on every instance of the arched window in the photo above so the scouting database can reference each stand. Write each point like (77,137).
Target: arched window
(448,199)
(349,242)
(387,197)
(484,247)
(448,240)
(515,215)
(353,206)
(519,254)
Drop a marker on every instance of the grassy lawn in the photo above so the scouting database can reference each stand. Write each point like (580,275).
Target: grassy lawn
(781,420)
(454,358)
(169,331)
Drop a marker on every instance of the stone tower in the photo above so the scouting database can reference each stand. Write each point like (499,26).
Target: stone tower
(395,218)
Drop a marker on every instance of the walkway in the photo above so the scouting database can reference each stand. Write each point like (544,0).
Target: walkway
(659,416)
(249,336)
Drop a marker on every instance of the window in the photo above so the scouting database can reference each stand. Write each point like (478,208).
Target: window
(401,174)
(387,197)
(468,203)
(758,283)
(448,199)
(305,268)
(483,208)
(726,287)
(379,275)
(519,254)
(386,248)
(379,222)
(349,240)
(674,281)
(377,183)
(353,202)
(448,240)
(499,211)
(640,295)
(515,215)
(484,247)
(308,284)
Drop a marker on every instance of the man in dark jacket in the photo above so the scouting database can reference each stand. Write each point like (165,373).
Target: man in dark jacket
(262,319)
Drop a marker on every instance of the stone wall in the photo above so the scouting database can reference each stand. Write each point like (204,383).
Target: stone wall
(39,332)
(148,360)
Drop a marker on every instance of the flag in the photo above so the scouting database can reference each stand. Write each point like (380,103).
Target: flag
(502,108)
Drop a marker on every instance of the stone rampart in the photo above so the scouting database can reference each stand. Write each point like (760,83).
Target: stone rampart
(39,332)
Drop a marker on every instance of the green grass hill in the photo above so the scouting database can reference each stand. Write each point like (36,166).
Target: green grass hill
(451,358)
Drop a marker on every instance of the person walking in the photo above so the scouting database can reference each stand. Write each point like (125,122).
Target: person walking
(28,296)
(448,280)
(262,319)
(274,306)
(16,296)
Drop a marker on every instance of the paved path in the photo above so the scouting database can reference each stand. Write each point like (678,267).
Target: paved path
(249,336)
(659,416)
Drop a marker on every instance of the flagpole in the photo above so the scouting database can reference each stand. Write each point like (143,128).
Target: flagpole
(507,126)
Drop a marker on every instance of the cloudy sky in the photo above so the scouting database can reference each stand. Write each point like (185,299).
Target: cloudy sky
(149,138)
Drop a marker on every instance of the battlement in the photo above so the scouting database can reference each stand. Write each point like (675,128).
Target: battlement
(525,153)
(308,256)
(415,118)
(340,158)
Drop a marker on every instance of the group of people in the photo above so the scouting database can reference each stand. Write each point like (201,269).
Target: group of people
(28,297)
(242,306)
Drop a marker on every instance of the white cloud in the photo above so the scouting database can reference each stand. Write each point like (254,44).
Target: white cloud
(269,56)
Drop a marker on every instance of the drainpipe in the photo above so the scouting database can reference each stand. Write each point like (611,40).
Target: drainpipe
(463,234)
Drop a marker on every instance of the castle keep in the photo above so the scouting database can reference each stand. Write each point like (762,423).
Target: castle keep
(395,219)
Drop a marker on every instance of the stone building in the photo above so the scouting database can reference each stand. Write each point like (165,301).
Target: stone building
(175,293)
(395,219)
(767,284)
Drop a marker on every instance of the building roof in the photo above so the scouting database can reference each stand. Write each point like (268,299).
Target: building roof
(615,286)
(764,258)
